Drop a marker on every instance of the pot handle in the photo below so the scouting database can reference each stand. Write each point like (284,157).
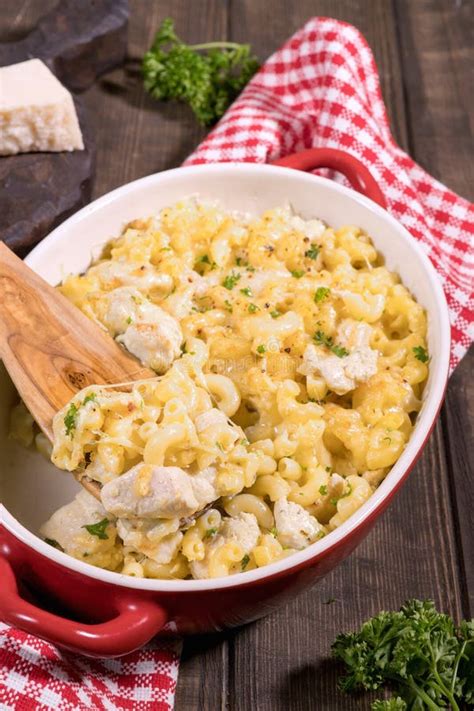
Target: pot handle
(357,174)
(135,624)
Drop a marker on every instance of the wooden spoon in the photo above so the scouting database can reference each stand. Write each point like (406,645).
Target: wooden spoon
(51,349)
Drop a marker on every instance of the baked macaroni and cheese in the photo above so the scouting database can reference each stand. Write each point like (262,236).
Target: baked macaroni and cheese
(289,368)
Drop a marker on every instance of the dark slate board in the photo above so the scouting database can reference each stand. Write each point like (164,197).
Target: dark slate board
(79,41)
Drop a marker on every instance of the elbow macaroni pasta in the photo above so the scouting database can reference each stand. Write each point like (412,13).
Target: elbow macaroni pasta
(294,366)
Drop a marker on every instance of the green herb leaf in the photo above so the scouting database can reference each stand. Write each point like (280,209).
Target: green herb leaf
(210,533)
(274,532)
(55,544)
(275,313)
(247,291)
(245,561)
(231,280)
(421,354)
(228,306)
(313,252)
(253,308)
(129,320)
(261,349)
(321,293)
(323,490)
(92,397)
(70,419)
(208,76)
(323,340)
(98,529)
(297,273)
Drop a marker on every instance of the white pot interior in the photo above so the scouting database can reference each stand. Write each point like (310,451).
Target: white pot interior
(31,488)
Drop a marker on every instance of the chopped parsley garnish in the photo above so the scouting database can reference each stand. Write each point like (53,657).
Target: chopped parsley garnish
(70,419)
(323,340)
(245,561)
(231,280)
(328,469)
(98,529)
(274,531)
(245,442)
(297,273)
(228,306)
(129,320)
(323,490)
(321,293)
(275,313)
(247,291)
(55,544)
(220,446)
(421,354)
(333,501)
(313,252)
(261,349)
(92,397)
(253,308)
(204,259)
(210,533)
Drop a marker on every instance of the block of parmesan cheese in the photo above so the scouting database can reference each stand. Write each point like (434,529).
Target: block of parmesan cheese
(36,112)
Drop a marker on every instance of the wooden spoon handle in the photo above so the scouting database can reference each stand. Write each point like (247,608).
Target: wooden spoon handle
(49,347)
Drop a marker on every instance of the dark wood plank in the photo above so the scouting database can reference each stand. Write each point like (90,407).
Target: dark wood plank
(436,50)
(135,134)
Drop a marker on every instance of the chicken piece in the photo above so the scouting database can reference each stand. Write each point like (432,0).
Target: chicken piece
(242,530)
(159,541)
(203,485)
(343,374)
(147,491)
(67,527)
(144,277)
(296,528)
(146,330)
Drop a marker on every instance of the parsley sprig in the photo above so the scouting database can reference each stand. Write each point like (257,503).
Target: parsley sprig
(323,340)
(419,652)
(207,76)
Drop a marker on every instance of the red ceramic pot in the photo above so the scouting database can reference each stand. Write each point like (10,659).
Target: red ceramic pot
(108,614)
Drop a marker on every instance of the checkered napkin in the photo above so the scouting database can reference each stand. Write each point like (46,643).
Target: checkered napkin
(35,676)
(321,89)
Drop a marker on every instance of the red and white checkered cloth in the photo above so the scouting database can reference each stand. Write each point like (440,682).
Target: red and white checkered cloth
(320,89)
(35,676)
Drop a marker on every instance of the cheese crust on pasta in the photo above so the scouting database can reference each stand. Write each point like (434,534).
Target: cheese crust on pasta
(290,364)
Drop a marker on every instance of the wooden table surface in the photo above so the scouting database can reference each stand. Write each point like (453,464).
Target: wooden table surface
(423,546)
